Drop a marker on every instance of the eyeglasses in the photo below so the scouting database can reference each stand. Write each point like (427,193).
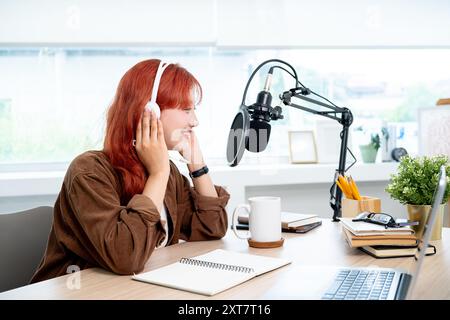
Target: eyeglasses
(383,219)
(376,218)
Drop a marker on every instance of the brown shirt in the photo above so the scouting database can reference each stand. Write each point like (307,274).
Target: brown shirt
(91,228)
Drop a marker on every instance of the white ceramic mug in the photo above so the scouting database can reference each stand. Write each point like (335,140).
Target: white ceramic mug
(264,219)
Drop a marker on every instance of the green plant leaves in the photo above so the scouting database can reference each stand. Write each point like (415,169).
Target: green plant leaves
(375,140)
(417,178)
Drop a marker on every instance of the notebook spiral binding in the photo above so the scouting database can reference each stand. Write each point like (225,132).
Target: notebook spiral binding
(215,265)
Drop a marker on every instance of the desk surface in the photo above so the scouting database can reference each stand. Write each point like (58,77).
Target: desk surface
(322,247)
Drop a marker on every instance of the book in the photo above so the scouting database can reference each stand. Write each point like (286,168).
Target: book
(288,219)
(375,240)
(381,252)
(213,272)
(300,229)
(361,228)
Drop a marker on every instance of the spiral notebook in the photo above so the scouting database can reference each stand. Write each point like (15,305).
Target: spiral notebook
(211,273)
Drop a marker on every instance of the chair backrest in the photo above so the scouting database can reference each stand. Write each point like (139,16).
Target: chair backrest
(23,239)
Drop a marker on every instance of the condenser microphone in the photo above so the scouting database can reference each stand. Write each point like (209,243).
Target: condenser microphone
(259,133)
(250,128)
(261,112)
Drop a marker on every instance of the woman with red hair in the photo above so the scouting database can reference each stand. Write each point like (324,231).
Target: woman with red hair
(117,205)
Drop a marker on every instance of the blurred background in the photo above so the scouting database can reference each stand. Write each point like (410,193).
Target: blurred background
(61,61)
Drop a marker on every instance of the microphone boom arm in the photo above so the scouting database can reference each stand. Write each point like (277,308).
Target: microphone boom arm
(263,112)
(341,115)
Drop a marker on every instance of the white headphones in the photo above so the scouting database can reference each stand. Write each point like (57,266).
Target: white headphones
(152,105)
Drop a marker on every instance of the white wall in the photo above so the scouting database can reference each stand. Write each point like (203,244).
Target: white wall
(227,23)
(105,21)
(329,23)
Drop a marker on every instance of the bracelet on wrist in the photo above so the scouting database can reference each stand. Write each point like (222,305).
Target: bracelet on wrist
(199,172)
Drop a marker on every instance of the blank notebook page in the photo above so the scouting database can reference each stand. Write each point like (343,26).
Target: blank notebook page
(212,272)
(260,264)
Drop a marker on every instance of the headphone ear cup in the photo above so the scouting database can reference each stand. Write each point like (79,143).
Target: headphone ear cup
(154,106)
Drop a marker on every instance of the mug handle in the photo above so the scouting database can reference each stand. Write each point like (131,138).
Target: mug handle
(234,219)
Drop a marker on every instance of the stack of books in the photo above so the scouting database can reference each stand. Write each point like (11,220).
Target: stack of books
(290,222)
(379,241)
(395,251)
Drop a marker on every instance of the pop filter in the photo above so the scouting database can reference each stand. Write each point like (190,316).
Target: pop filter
(238,136)
(258,136)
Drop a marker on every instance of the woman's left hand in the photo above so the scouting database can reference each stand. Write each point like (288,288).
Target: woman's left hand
(192,153)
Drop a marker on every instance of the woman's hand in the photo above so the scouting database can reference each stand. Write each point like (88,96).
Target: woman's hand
(151,146)
(191,152)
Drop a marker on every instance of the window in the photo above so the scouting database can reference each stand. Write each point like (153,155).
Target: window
(53,101)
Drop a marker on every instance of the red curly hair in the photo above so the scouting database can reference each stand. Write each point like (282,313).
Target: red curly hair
(178,88)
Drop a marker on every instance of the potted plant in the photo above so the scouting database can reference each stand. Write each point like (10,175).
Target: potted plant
(414,185)
(369,151)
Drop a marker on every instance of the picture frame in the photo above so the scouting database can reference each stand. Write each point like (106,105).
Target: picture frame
(328,139)
(302,146)
(434,131)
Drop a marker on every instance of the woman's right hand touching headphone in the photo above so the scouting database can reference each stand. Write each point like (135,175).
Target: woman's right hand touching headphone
(151,146)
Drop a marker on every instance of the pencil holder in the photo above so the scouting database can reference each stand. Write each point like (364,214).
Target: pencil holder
(351,208)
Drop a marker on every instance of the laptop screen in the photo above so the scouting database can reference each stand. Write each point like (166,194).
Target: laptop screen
(424,241)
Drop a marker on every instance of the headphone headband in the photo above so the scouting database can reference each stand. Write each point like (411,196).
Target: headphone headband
(152,105)
(162,66)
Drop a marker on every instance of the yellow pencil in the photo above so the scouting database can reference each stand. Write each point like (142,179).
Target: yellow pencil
(355,188)
(345,185)
(350,186)
(344,191)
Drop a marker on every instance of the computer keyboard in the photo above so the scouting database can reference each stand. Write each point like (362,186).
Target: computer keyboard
(360,285)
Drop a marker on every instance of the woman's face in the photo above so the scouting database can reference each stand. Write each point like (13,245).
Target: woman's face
(177,125)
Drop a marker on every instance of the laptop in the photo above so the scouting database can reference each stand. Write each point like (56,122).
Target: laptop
(387,284)
(373,283)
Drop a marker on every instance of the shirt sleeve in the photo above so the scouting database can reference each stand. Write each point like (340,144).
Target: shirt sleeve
(204,217)
(119,238)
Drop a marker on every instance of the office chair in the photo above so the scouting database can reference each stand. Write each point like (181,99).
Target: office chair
(23,239)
